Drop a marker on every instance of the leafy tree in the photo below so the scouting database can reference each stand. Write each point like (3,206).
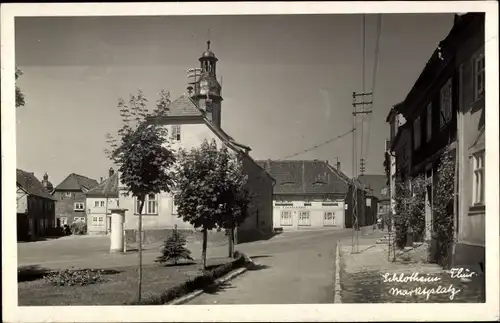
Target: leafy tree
(174,248)
(143,155)
(20,101)
(410,209)
(210,190)
(444,188)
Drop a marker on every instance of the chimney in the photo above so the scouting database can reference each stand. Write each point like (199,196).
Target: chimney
(111,171)
(101,180)
(338,165)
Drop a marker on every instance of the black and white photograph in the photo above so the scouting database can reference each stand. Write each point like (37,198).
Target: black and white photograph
(193,157)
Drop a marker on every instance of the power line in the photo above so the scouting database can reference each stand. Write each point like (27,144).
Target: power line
(317,146)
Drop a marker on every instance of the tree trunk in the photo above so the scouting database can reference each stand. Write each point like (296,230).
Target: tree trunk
(204,249)
(231,243)
(139,285)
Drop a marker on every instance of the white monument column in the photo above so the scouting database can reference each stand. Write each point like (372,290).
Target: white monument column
(117,238)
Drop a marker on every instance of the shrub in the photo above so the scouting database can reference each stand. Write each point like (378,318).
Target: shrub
(68,277)
(174,249)
(199,282)
(78,228)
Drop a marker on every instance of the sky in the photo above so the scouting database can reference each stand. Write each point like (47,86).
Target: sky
(287,81)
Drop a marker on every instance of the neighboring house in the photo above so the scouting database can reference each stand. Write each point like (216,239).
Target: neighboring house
(470,62)
(35,207)
(378,190)
(70,196)
(190,120)
(307,194)
(450,88)
(99,201)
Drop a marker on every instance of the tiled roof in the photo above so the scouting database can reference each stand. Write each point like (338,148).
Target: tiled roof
(375,183)
(29,183)
(182,107)
(76,182)
(305,177)
(108,188)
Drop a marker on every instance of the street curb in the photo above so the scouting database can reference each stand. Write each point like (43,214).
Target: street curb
(337,298)
(235,273)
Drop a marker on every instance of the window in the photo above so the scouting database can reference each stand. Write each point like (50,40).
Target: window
(328,218)
(286,218)
(428,122)
(101,221)
(67,194)
(96,204)
(176,132)
(78,219)
(174,206)
(417,136)
(64,220)
(446,104)
(304,218)
(79,206)
(94,220)
(479,182)
(150,205)
(102,203)
(479,76)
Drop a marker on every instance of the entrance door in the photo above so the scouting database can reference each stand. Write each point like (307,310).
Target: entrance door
(328,219)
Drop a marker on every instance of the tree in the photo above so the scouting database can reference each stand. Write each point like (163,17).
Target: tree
(20,100)
(143,155)
(410,209)
(210,190)
(444,188)
(174,248)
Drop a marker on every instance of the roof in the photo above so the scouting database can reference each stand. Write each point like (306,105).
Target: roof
(441,57)
(77,182)
(108,188)
(31,185)
(305,177)
(376,184)
(183,106)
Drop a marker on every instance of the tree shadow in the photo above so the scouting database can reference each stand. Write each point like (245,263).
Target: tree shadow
(260,256)
(30,273)
(214,289)
(255,267)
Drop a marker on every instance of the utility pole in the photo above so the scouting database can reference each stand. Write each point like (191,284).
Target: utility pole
(355,103)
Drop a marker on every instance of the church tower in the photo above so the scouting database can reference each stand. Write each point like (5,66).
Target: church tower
(207,92)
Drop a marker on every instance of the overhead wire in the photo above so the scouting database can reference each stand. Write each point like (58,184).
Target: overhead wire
(318,145)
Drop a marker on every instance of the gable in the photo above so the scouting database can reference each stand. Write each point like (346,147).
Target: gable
(31,185)
(182,107)
(76,182)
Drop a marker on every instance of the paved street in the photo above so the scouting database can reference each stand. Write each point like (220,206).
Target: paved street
(294,268)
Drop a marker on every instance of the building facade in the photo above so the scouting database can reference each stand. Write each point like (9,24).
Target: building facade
(309,194)
(378,199)
(190,120)
(70,197)
(444,111)
(35,207)
(470,63)
(99,201)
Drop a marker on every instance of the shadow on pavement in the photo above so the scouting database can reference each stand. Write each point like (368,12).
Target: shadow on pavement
(261,256)
(255,267)
(31,272)
(215,289)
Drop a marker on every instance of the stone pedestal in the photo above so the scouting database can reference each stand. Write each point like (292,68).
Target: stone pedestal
(117,235)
